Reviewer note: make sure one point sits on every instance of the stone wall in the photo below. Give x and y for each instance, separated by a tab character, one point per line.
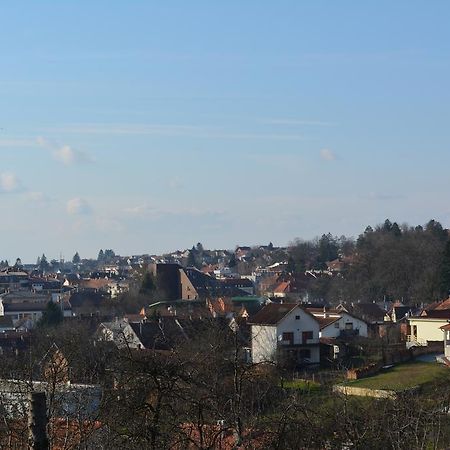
363	392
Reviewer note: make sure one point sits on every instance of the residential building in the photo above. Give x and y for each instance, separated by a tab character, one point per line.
336	324
281	332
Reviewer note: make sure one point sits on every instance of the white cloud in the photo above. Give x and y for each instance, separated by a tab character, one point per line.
327	155
68	156
175	183
64	154
9	182
78	207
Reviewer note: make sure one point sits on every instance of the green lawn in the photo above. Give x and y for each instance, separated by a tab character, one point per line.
404	376
302	385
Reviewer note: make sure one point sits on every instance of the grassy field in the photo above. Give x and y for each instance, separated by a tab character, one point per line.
404	376
302	385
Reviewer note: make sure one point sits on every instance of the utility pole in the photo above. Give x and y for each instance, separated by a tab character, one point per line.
37	422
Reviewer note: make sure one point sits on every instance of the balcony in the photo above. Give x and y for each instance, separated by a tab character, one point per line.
348	333
289	343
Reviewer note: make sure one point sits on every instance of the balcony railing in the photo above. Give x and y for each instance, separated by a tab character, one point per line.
300	343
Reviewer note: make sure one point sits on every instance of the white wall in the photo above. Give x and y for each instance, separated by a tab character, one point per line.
334	329
266	339
428	329
298	326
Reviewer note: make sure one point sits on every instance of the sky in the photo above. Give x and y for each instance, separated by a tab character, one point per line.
149	126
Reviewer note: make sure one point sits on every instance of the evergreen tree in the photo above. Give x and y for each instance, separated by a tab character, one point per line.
101	256
387	226
44	265
51	316
76	258
191	261
395	230
109	255
148	285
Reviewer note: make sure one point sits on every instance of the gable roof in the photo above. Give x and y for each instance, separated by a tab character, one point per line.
272	313
370	312
325	321
436	314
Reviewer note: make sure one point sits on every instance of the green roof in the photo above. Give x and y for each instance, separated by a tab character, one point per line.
247	298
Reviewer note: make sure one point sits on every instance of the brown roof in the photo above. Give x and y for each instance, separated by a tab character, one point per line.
445	304
437	314
282	287
325	321
272	313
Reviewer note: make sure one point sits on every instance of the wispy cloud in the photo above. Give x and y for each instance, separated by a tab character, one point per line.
147	211
9	143
173	131
78	207
383	196
138	209
9	183
298	122
65	154
327	155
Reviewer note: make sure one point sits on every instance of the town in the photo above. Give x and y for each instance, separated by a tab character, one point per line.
225	225
200	348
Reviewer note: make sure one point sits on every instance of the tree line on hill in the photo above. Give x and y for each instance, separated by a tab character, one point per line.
387	262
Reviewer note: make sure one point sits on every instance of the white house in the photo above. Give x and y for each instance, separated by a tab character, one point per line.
334	324
426	328
285	330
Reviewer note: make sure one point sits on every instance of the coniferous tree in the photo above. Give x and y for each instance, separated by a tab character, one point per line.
51	316
44	264
191	261
76	258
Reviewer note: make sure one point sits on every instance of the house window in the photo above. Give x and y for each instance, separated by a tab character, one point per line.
297	317
306	336
349	326
305	353
288	337
336	325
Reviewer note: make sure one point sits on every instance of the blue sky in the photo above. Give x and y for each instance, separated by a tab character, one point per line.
150	126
